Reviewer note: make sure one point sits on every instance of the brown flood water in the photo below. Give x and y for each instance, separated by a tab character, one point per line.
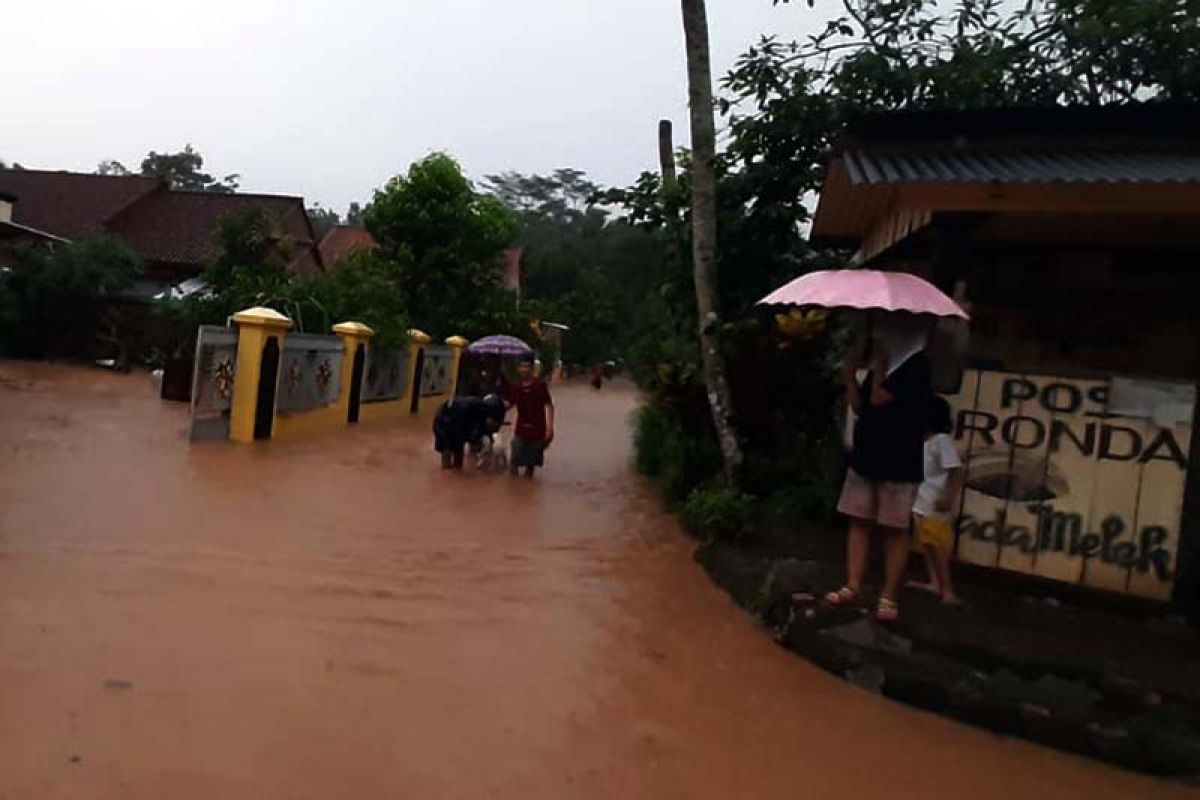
336	618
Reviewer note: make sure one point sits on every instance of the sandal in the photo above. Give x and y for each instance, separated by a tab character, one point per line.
887	610
845	596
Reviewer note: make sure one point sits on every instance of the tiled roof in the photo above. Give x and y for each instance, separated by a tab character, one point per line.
70	203
341	240
1025	166
181	227
168	228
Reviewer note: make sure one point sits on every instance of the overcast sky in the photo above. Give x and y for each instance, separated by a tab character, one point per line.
328	98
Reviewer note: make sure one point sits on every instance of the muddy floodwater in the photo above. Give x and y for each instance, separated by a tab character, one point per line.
336	618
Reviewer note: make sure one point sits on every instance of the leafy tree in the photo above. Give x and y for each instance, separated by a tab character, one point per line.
182	170
445	242
112	167
355	214
363	288
785	102
579	265
564	195
322	219
9	165
60	293
251	270
247	243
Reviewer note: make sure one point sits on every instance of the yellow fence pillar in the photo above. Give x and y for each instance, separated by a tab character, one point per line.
353	335
416	345
457	345
256	327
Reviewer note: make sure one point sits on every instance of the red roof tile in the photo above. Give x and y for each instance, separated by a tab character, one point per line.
172	230
182	227
342	240
71	203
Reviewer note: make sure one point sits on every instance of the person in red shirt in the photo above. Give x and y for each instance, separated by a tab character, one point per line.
535	419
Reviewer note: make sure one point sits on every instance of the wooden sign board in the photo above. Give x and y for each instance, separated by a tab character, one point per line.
1062	486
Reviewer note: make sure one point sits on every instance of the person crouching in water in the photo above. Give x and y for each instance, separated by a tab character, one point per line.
535	419
463	422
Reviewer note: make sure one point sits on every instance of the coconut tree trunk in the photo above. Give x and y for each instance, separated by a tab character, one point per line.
704	229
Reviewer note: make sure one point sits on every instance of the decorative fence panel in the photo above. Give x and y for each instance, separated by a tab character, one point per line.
435	376
212	382
387	374
310	372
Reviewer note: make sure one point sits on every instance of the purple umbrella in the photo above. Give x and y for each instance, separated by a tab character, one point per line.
500	346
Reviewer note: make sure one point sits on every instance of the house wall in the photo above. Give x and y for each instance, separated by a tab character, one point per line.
1084	312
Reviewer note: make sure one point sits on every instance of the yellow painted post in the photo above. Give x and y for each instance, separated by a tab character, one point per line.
353	334
255	327
416	343
457	345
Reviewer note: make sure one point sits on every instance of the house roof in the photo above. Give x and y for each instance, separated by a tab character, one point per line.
70	203
889	173
1028	166
13	230
341	240
166	227
1142	121
181	227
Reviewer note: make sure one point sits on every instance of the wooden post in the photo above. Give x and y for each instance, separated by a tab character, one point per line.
666	155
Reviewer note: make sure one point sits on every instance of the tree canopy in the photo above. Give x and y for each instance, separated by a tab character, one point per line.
785	102
181	170
579	265
52	298
322	219
446	243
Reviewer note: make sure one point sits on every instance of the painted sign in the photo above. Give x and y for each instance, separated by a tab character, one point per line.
1062	486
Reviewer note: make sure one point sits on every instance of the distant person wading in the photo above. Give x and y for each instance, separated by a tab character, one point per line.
535	419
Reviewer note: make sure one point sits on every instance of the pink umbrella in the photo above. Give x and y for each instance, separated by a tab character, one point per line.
865	289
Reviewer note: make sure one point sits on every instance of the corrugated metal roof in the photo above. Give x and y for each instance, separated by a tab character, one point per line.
1023	167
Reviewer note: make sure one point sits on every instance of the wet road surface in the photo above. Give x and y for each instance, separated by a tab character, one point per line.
337	618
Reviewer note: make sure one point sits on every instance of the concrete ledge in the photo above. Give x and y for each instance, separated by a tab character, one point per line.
936	659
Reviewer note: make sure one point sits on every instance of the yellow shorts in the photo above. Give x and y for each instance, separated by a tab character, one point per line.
934	532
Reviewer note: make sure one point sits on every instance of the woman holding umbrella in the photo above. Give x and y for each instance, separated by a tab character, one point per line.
886	458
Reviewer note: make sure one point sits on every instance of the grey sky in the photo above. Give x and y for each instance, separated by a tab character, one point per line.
328	98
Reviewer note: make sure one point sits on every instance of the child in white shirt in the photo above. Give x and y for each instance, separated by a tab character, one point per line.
932	510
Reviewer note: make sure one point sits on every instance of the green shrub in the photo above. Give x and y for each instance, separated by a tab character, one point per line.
717	512
676	458
61	295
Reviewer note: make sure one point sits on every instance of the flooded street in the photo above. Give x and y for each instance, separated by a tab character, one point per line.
337	618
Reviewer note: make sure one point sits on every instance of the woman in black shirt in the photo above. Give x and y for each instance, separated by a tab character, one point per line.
886	466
